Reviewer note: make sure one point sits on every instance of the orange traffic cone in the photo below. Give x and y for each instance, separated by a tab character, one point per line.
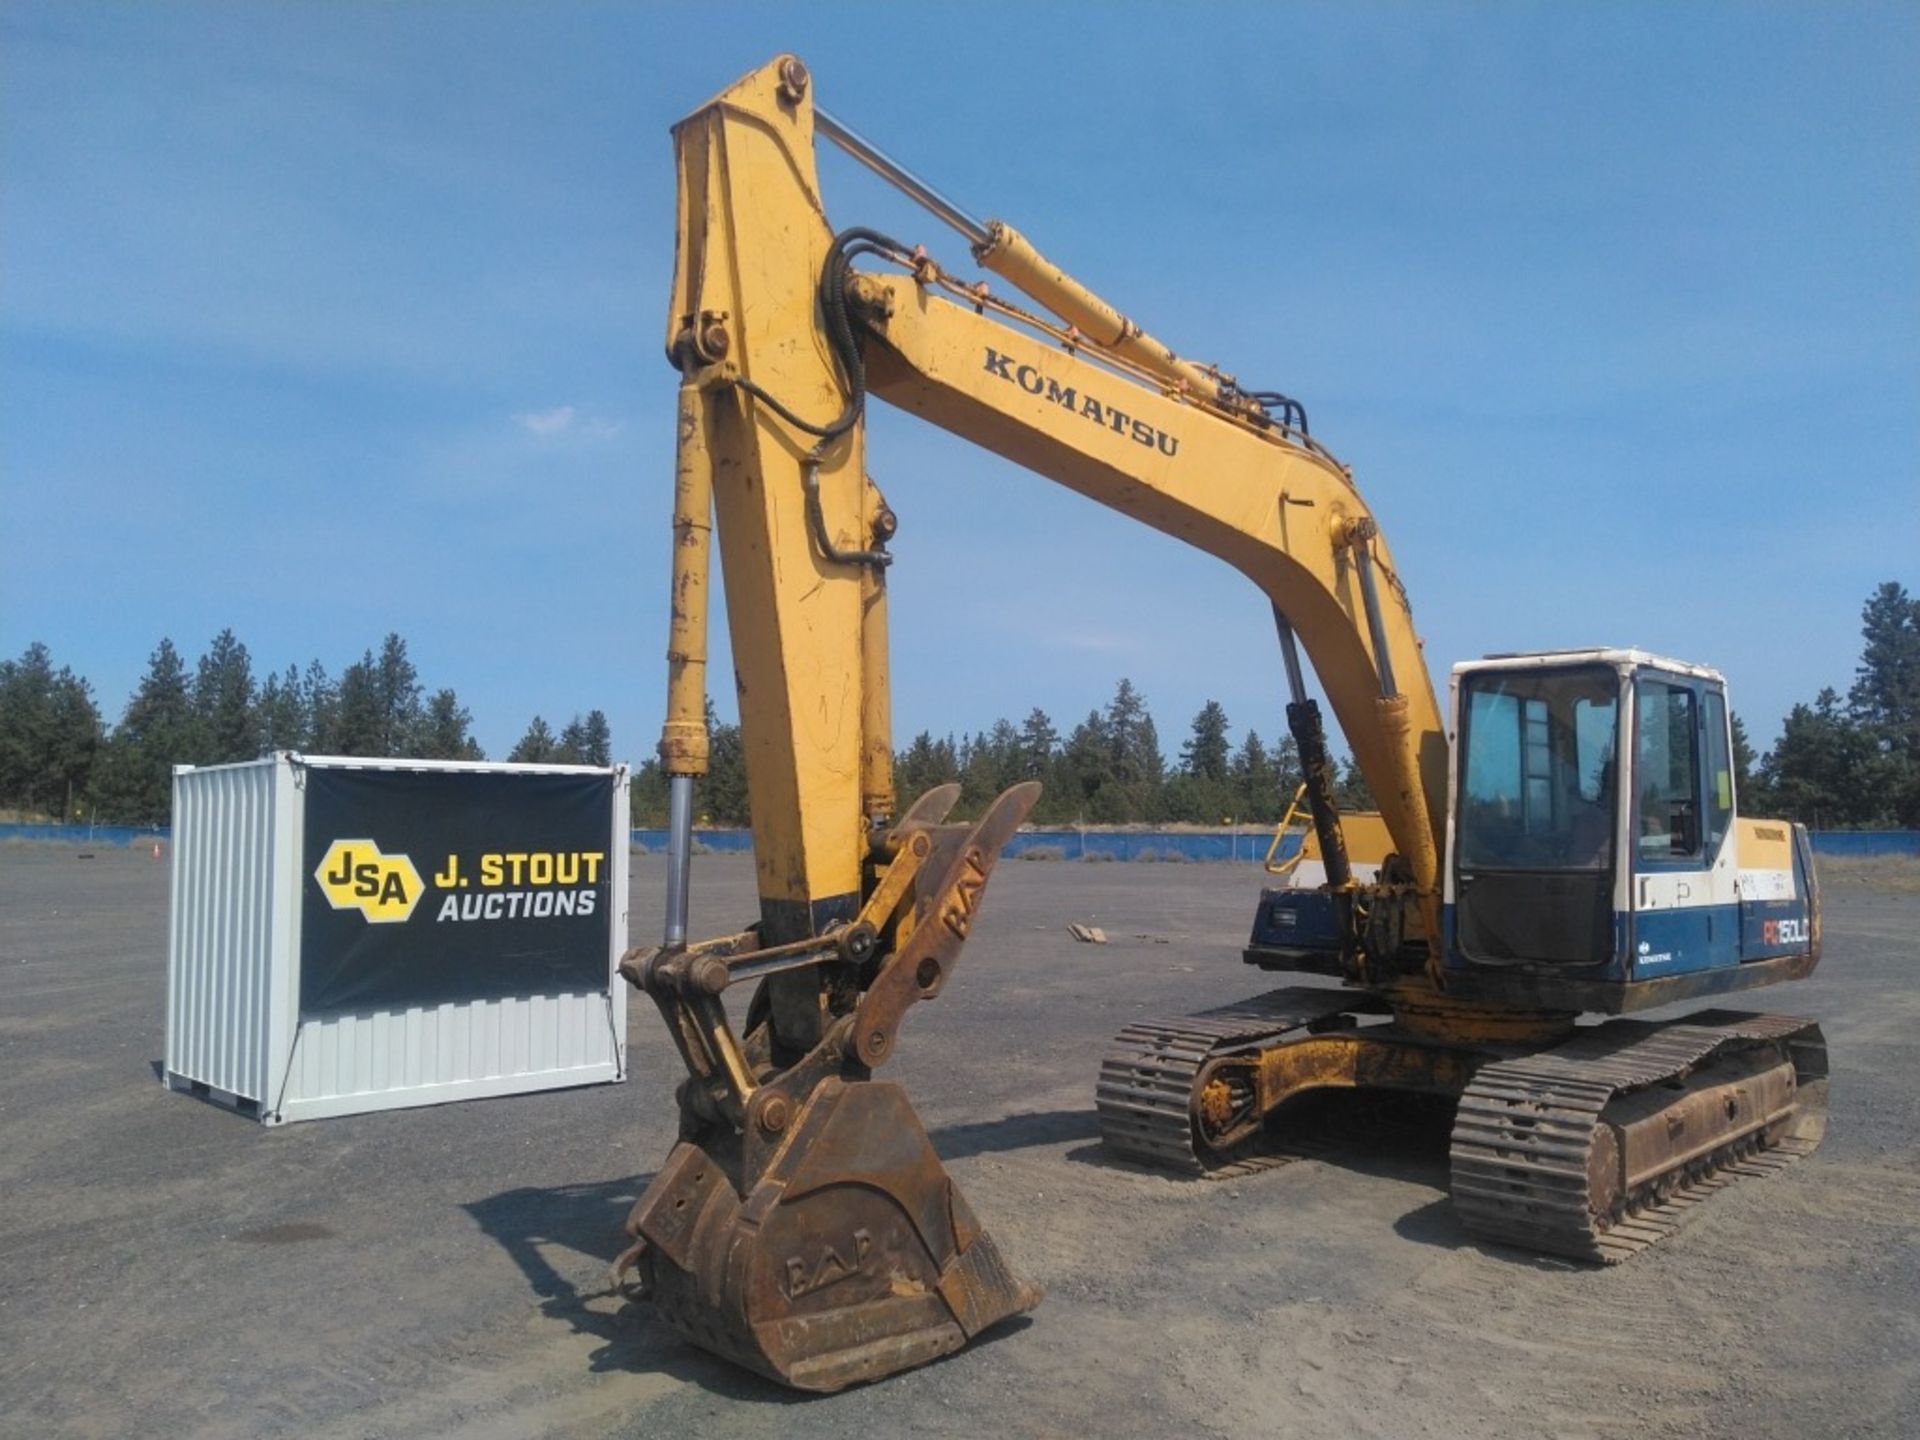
156	849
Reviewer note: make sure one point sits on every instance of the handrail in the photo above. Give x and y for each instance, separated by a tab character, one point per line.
1286	867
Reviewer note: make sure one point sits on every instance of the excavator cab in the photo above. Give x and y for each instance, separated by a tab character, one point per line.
1596	858
1597	861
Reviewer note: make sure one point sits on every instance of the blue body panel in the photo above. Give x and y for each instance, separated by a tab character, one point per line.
1771	928
1674	942
1677	942
1297	920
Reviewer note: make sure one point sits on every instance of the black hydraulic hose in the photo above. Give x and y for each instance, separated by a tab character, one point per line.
841	339
1292	413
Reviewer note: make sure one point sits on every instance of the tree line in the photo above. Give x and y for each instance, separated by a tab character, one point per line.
59	758
1852	763
1839	763
1108	770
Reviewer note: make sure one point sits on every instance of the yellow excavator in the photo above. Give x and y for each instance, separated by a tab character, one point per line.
1562	841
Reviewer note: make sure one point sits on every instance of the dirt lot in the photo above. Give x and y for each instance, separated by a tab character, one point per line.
169	1268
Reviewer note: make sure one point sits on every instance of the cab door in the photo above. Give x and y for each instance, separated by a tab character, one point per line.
1684	890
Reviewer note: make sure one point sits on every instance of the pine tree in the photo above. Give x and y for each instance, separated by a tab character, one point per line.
1207	754
359	720
282	713
1886	686
586	741
1086	764
76	739
1352	791
648	793
597	739
1132	741
158	731
1749	794
396	695
49	733
536	747
1287	774
1255	783
992	761
1134	764
1821	771
925	763
722	794
26	728
1885	702
442	733
1039	742
320	709
224	701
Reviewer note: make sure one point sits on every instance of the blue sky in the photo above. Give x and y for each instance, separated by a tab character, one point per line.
324	321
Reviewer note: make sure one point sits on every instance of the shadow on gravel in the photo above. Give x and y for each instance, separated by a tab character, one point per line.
1015	1132
1401	1137
586	1219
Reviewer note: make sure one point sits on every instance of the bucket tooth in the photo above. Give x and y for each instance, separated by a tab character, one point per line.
849	1257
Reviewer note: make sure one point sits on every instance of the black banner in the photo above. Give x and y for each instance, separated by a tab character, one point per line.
424	886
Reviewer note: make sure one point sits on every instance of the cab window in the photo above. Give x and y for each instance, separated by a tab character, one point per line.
1720	796
1536	779
1667	772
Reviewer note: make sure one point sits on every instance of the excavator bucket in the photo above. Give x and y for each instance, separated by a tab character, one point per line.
803	1226
852	1257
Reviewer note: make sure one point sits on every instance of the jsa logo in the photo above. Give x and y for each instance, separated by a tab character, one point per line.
355	875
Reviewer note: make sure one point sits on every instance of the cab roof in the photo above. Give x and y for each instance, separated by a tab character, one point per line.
1628	658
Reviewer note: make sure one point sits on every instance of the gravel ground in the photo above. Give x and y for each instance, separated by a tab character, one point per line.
170	1268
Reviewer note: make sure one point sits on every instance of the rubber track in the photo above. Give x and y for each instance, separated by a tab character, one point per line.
1521	1138
1146	1087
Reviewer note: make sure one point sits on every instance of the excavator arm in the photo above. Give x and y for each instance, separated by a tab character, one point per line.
804	1226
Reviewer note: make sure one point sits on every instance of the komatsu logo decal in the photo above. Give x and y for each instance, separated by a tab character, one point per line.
1784	932
356	875
1087	407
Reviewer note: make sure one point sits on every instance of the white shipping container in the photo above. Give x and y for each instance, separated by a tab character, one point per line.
235	1031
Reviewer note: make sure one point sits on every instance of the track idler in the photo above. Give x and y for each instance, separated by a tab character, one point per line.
804	1227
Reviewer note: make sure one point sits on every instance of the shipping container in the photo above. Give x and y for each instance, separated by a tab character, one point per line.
350	935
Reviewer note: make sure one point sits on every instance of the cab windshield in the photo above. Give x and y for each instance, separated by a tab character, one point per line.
1537	769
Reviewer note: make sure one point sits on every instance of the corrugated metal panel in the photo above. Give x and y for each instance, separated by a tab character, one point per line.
221	933
568	1039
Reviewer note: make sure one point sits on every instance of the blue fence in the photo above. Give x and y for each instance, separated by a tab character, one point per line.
1866	842
722	842
87	834
1172	845
1245	845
